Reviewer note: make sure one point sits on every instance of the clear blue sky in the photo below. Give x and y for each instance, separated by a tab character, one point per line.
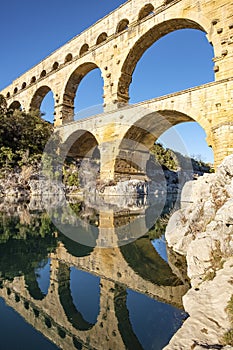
32	30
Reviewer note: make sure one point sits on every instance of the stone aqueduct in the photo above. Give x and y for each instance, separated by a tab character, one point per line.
115	44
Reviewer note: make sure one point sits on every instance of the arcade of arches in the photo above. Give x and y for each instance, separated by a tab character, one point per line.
114	45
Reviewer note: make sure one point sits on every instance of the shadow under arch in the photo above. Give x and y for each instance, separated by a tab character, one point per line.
143	43
71	88
73	315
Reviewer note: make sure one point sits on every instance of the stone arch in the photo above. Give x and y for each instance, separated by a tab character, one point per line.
81	144
8	95
55	65
122	25
15	105
101	38
24	85
145	11
83	50
15	90
33	80
38	97
43	73
142	134
68	57
142	44
71	88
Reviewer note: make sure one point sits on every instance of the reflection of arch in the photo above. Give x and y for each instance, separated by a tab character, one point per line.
38	97
145	261
124	325
33	287
101	38
72	86
75	248
145	11
122	25
83	49
15	105
143	43
73	315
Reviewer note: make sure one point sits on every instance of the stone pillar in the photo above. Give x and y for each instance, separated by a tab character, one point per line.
63	113
222	141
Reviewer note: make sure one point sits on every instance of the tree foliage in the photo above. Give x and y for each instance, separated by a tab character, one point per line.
23	136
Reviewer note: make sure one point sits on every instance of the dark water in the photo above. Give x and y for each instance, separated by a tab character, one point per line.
58	294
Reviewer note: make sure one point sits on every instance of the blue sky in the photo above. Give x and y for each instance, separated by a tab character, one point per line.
32	30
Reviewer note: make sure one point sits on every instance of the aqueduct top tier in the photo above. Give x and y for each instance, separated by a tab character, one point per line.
115	44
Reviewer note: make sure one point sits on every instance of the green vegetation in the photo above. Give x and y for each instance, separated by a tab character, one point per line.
23	137
171	160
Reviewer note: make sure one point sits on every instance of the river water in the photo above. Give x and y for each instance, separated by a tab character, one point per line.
56	293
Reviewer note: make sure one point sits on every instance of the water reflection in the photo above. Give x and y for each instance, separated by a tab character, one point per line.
126	297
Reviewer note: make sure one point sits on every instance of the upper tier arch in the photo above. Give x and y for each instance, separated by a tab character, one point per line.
143	43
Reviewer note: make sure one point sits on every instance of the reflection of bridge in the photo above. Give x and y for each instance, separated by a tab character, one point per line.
115	44
55	315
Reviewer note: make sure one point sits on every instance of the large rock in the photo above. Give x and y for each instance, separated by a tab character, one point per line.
202	231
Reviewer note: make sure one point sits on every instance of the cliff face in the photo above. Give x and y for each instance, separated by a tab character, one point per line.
202	231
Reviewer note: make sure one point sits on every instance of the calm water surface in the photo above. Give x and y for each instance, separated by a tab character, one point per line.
58	294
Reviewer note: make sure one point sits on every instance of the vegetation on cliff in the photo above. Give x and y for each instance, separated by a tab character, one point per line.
171	160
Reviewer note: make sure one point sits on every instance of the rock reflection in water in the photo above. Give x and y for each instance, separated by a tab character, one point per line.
89	297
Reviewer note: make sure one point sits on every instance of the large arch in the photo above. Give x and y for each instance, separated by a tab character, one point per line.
71	87
142	44
82	147
133	156
134	149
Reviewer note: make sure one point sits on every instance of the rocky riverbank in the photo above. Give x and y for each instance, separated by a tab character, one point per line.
202	232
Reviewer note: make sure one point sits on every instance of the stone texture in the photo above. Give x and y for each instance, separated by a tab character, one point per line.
202	232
